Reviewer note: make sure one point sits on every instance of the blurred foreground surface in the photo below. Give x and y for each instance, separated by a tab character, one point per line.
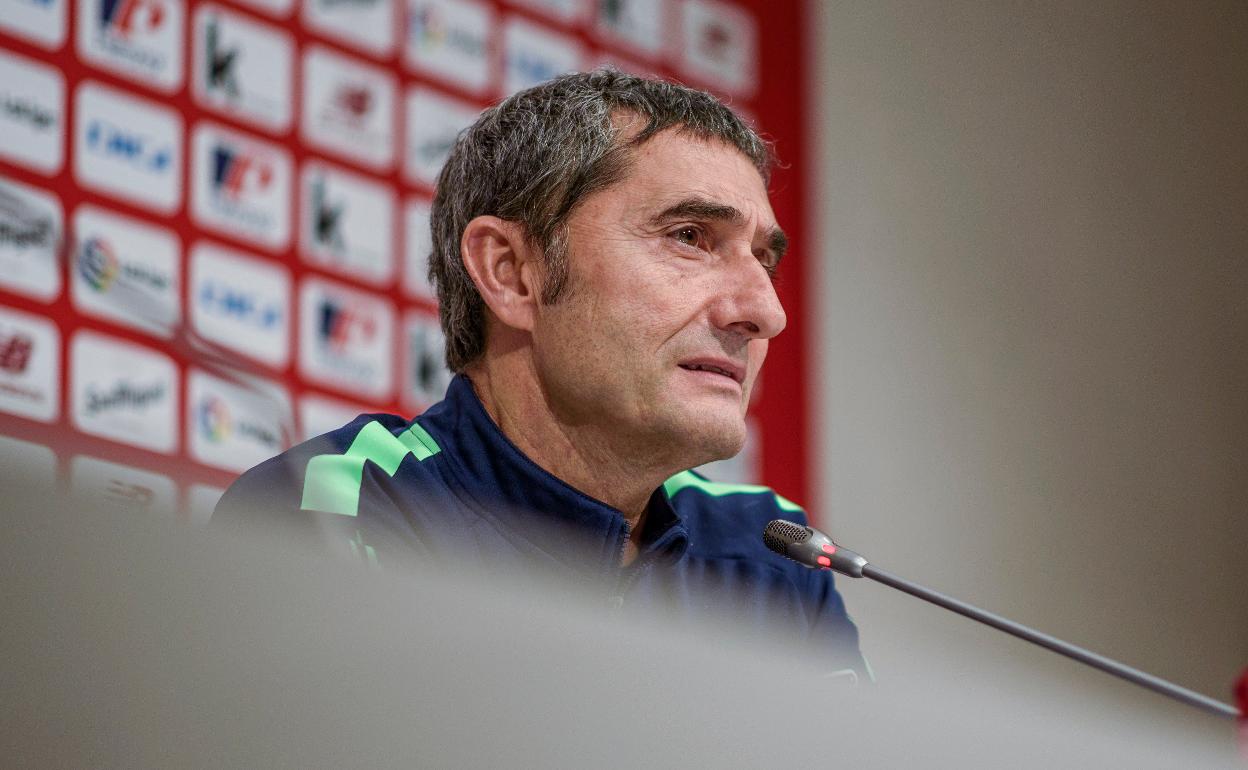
136	642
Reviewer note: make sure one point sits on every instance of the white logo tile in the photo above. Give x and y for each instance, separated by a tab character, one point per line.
126	271
137	39
128	147
346	338
123	392
417	245
347	223
639	25
425	376
321	414
450	40
32	228
533	54
366	24
243	68
233	426
101	484
240	303
42	22
719	45
30	366
434	120
241	186
32	114
348	108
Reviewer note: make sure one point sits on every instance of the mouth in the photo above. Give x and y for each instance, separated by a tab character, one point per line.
720	367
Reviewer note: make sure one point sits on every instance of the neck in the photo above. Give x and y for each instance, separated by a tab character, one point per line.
603	467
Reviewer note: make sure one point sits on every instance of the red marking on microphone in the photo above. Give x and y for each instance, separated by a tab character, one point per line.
825	561
829	548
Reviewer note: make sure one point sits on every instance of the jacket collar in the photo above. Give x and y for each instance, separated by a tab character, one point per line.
559	521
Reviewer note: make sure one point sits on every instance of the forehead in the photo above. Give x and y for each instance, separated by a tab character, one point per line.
673	166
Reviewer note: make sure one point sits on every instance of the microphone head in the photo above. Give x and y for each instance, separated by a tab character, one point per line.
811	548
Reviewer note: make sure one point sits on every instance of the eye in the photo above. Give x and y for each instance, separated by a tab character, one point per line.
690	235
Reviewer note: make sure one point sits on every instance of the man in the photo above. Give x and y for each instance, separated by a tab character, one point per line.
603	253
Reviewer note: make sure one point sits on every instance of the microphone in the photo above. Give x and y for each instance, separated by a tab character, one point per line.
811	548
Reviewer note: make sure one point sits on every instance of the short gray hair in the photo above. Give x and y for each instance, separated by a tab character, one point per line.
535	156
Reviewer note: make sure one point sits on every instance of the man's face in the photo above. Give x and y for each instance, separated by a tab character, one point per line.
670	303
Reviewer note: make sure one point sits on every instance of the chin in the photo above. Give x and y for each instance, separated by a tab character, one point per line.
714	439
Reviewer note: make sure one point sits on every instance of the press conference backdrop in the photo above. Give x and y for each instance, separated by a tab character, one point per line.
214	215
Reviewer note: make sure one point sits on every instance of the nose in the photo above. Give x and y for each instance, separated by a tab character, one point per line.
748	304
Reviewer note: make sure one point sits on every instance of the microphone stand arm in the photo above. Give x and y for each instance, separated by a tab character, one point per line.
1108	665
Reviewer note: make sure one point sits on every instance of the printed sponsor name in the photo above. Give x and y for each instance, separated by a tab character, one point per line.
533	55
128	147
348	223
124	392
32	114
243	68
141	39
434	120
121	486
235	425
719	45
30	366
30	240
241	186
346	338
126	271
240	303
450	40
348	108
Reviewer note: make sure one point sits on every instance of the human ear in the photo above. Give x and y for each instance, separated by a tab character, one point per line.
502	264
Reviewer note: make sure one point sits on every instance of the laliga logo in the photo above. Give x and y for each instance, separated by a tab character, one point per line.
342	326
125	17
235	174
214	419
98	264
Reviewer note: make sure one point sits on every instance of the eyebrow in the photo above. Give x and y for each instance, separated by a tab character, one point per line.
702	209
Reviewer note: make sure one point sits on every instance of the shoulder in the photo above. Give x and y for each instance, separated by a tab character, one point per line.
728	519
318	474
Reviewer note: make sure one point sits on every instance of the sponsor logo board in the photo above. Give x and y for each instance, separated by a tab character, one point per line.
113	486
126	271
123	392
235	425
346	338
31	235
433	122
243	68
449	39
42	22
30	366
425	376
321	414
348	107
240	303
25	465
348	223
240	186
567	11
638	24
201	501
417	245
139	39
533	54
271	7
365	24
128	147
719	45
32	114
